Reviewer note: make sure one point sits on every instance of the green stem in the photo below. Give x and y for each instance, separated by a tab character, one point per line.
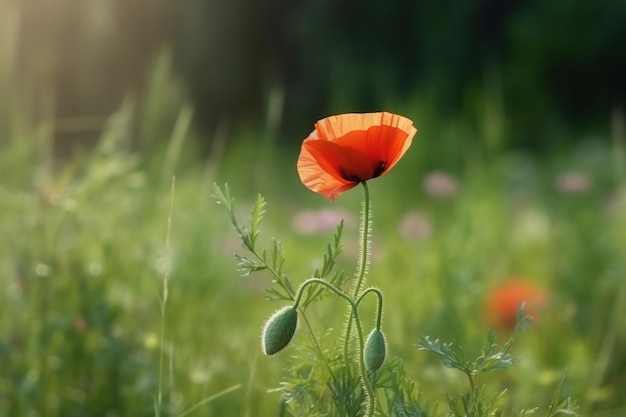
364	249
364	254
369	389
371	395
379	310
354	299
326	284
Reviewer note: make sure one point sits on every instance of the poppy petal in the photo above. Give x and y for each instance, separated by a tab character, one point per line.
334	127
344	163
317	179
383	137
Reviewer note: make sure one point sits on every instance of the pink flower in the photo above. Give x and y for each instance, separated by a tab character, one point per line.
80	323
440	184
315	222
415	226
572	183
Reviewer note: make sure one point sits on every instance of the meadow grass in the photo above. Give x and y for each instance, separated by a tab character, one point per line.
90	243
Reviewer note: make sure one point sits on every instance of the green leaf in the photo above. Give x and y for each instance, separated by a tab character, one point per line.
489	361
258	211
567	407
451	358
247	266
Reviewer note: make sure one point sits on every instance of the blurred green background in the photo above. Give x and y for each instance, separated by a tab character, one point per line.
548	63
517	171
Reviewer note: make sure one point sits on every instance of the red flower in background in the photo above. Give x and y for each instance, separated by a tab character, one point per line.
505	298
348	149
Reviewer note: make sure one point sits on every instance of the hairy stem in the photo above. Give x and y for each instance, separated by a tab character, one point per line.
369	389
364	255
324	283
379	310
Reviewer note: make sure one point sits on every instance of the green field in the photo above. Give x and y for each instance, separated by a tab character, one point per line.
121	295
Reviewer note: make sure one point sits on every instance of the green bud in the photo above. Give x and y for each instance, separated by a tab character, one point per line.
279	329
375	350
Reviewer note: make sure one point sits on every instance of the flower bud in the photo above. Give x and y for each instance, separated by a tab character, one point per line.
375	350
279	329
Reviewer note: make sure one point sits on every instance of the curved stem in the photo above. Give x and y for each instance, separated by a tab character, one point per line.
296	303
379	310
371	397
379	316
326	284
354	299
369	389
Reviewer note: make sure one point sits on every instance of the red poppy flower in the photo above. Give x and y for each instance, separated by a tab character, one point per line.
348	149
504	300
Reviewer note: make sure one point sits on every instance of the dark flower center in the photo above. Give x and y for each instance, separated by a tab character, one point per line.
378	169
